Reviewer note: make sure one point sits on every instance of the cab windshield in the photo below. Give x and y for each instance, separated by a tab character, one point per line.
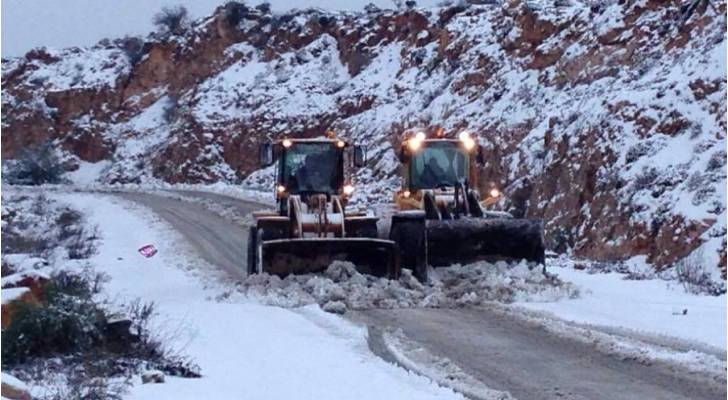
438	164
312	167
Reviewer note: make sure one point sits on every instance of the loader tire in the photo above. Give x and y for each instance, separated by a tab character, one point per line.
409	232
252	250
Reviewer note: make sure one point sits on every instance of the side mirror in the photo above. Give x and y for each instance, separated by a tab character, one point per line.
359	157
480	157
266	154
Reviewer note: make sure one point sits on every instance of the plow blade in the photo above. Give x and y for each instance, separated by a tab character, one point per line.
310	255
471	239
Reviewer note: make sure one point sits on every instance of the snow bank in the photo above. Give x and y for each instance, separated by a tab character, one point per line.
649	306
442	370
14	382
455	286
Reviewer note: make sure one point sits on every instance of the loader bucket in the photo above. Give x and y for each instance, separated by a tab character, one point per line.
309	255
471	239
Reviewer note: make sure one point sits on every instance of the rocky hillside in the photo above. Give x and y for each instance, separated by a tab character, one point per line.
605	118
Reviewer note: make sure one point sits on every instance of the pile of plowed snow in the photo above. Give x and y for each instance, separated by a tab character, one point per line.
341	287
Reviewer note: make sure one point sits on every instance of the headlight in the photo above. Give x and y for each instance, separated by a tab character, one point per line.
494	192
406	194
340	144
280	189
414	144
420	136
348	190
467	140
287	143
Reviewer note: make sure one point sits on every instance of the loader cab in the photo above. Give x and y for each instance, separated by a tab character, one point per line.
437	162
311	167
441	167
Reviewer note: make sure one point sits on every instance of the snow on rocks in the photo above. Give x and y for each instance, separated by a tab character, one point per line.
341	287
153	376
13	388
14	294
75	68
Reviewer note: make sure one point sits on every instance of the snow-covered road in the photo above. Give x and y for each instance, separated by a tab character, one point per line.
249	349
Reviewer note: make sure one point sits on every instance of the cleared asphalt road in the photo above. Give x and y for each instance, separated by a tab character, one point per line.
504	353
219	241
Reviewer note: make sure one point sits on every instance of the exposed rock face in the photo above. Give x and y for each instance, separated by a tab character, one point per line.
607	121
18	297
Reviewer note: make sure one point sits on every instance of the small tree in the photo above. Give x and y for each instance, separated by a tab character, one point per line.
263	7
235	11
172	20
171	109
372	8
134	49
36	166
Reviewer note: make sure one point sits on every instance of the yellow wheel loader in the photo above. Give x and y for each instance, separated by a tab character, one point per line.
311	227
441	219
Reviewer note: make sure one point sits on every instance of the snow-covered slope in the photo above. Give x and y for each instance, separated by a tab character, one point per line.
604	118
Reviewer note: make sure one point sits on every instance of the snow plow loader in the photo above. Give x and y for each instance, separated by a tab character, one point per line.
311	227
441	219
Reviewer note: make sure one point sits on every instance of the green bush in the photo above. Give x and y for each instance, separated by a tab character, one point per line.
66	325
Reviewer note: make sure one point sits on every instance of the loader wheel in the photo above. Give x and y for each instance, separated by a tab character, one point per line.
252	250
409	232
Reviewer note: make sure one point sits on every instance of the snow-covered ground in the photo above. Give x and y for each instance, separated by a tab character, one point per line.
650	306
245	350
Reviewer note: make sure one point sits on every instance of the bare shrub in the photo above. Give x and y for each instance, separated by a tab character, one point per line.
372	8
263	7
695	277
173	20
645	179
234	12
81	246
140	314
81	385
134	49
171	109
68	223
35	167
81	379
13	243
638	150
717	161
